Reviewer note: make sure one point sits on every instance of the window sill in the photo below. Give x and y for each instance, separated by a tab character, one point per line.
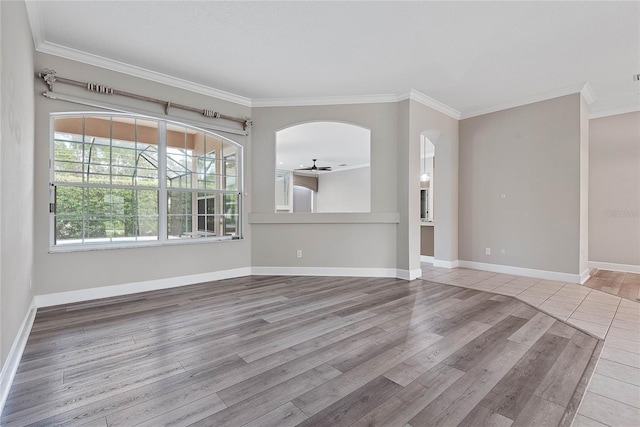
144	244
325	218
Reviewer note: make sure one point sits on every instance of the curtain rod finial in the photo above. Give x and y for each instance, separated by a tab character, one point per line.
49	77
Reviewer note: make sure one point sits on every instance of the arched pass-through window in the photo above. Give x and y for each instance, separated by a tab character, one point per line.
121	180
331	160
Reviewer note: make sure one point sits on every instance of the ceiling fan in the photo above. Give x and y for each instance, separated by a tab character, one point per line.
315	168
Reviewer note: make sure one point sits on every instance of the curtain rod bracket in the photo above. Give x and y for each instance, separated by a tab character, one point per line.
166	108
49	77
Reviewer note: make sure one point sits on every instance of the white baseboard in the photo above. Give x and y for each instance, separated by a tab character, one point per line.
132	288
324	271
446	264
624	268
426	258
10	366
409	274
585	276
521	271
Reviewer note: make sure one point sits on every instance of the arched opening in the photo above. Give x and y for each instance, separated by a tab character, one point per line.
323	167
438	228
427	207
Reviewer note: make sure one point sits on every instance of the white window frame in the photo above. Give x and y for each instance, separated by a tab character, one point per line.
163	190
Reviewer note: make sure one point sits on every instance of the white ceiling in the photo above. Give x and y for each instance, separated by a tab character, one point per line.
473	57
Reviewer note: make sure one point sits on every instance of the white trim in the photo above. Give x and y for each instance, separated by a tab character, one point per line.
426	258
600	114
132	70
323	100
446	264
35	22
588	93
431	103
529	100
325	218
324	271
409	274
585	276
132	288
10	366
521	271
624	268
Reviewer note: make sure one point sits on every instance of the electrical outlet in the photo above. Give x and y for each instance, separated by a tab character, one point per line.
487	251
503	251
299	253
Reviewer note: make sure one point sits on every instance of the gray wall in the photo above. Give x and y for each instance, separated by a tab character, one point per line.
532	155
325	245
16	170
58	272
614	191
395	181
344	191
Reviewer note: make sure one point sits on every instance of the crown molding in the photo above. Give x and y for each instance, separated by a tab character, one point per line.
132	70
588	93
582	88
607	113
323	100
35	22
358	99
425	100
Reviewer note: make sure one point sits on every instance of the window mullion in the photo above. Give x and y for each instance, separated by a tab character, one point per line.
162	176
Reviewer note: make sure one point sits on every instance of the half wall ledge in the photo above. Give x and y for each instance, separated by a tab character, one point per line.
325	218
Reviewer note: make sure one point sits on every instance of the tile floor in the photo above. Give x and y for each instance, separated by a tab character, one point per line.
613	395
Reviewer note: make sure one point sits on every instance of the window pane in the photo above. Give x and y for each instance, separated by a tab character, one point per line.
148	227
147	203
95	228
97	202
118	228
229	149
231	204
69	201
230	168
179	226
68	161
231	183
230	225
179	202
68	229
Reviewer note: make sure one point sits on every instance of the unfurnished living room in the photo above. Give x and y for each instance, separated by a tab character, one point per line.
322	213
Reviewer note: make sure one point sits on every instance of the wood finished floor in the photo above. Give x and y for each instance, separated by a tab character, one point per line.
624	285
280	351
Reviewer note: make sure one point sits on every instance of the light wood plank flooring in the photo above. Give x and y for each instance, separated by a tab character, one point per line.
280	351
624	285
613	395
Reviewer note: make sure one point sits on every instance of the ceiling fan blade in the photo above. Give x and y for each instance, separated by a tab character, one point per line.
324	168
304	169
